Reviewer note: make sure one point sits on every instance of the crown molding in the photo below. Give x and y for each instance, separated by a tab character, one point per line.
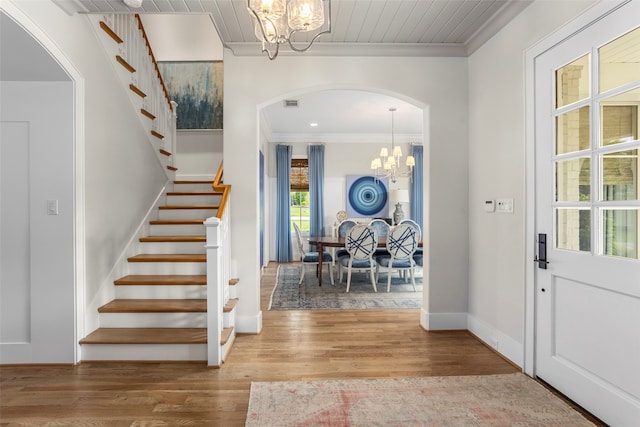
358	49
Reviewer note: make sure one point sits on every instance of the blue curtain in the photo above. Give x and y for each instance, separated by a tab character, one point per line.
315	155
416	190
284	246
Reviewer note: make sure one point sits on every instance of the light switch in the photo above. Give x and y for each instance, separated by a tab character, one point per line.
52	207
504	205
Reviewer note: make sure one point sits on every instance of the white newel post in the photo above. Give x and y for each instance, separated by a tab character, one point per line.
215	280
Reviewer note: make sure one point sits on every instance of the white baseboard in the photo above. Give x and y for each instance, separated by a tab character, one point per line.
249	324
442	321
503	344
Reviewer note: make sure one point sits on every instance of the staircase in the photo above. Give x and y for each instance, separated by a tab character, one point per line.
160	309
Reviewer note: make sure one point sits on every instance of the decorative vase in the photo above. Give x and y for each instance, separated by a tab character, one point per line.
398	214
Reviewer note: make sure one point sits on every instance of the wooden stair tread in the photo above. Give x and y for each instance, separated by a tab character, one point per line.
146	336
194	193
154	279
165	207
155	306
193	182
168	258
229	306
226	334
177	221
186	238
233	282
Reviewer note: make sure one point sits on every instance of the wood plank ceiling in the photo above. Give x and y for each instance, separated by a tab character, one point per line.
359	27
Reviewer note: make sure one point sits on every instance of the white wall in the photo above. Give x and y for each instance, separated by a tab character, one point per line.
198	154
497	170
122	174
37	256
439	85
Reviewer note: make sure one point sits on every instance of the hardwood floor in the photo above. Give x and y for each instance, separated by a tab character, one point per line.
294	345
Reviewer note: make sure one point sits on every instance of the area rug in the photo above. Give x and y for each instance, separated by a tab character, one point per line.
486	400
288	295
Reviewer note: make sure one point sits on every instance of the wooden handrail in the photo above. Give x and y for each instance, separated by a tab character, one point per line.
153	59
218	185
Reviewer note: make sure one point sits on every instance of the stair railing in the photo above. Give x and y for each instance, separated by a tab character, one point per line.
218	248
133	52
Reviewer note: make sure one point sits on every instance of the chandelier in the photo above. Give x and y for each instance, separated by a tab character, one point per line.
389	165
277	21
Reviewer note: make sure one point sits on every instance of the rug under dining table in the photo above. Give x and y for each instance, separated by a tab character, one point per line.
289	295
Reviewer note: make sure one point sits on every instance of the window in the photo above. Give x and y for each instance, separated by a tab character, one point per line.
299	193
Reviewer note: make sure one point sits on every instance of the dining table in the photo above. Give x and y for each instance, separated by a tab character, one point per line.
336	242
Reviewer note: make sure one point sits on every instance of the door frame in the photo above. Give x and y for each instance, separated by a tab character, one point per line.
78	161
589	17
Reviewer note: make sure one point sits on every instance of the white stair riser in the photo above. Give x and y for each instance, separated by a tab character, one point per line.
172	248
233	293
178	230
123	352
213	199
186	213
229	319
183	188
161	292
167	268
153	320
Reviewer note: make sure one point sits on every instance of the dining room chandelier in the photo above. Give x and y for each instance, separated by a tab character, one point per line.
389	163
277	21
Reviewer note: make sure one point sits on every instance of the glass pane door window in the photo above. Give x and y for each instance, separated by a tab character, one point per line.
300	210
596	158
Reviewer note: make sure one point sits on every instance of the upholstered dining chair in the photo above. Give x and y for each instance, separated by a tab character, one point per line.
401	245
360	242
343	229
382	228
311	258
417	256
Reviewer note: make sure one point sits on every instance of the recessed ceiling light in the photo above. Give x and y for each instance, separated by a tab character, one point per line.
313	125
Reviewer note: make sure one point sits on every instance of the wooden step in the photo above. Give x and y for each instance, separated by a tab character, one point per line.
156	239
194	193
162	280
233	282
168	258
155	306
226	334
193	182
146	336
178	221
229	306
210	207
152	336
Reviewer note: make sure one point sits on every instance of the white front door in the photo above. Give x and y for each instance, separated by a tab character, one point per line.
588	210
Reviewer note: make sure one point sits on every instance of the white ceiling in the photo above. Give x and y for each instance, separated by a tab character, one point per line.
359	27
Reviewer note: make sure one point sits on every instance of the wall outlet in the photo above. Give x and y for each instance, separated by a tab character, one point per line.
504	205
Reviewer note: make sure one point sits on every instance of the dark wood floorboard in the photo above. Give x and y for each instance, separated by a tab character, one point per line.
294	345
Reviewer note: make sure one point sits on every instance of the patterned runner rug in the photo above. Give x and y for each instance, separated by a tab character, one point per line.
288	295
487	400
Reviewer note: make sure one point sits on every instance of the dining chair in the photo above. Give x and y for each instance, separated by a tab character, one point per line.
401	245
360	242
343	229
311	258
382	228
417	256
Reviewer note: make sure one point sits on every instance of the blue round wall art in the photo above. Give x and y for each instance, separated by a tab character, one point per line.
367	197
